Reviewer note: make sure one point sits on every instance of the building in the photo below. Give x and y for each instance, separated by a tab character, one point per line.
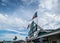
43	36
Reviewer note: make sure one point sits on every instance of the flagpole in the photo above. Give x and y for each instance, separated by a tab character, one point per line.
37	22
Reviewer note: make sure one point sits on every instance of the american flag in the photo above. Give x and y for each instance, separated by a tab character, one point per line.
35	15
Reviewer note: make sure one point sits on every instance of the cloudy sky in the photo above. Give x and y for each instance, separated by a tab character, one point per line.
14	16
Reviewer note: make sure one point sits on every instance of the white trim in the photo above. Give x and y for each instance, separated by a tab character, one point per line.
57	32
53	33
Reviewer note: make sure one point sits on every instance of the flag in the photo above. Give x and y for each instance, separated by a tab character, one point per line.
35	15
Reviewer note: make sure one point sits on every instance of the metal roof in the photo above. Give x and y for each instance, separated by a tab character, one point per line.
57	31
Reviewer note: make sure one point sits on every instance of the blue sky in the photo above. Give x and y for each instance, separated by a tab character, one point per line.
14	16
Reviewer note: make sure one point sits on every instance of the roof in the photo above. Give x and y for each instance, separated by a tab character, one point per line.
57	31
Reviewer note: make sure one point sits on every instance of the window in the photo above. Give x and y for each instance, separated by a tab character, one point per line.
54	41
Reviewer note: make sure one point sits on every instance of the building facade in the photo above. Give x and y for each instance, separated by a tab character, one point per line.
38	35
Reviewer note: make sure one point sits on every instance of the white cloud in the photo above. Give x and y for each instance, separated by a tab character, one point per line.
28	2
57	18
16	31
48	14
12	23
5	1
9	37
48	4
2	16
48	17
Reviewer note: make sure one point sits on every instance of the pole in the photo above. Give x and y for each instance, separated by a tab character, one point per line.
41	40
